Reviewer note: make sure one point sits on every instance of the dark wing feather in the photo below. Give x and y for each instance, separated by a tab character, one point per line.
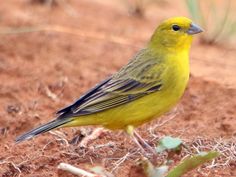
83	97
105	99
125	86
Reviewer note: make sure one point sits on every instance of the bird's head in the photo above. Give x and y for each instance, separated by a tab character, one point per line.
175	33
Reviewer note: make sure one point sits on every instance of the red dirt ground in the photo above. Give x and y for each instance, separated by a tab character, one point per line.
43	71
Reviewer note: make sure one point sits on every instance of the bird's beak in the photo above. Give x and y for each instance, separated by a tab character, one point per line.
194	29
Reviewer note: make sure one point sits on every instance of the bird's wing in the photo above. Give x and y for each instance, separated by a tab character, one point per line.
138	78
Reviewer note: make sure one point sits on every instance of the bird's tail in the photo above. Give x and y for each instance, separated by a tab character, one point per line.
43	128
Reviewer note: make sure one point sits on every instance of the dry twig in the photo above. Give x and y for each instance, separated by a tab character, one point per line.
76	171
95	134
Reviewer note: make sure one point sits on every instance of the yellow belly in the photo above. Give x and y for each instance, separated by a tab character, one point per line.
134	113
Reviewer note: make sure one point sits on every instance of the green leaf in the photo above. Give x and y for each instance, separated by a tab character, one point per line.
192	163
168	143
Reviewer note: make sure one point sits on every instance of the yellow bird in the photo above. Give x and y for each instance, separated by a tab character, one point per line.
147	87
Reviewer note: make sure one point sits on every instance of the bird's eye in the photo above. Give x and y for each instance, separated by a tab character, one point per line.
176	27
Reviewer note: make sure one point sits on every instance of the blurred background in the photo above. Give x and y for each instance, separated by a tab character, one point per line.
52	51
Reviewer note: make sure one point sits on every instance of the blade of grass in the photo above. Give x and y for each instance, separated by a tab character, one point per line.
192	163
220	26
194	9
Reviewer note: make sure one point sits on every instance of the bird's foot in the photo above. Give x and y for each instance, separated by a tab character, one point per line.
148	151
145	144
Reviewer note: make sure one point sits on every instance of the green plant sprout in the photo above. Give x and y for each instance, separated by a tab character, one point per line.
187	164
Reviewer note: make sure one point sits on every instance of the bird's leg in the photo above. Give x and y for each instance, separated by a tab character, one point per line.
144	143
139	141
139	145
